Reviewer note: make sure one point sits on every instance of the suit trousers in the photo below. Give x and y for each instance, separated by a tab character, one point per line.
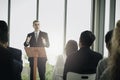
41	64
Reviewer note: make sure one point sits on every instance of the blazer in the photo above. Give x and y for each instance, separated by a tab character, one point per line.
39	42
6	64
18	63
83	61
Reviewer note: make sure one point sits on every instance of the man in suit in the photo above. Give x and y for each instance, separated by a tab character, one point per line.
37	38
85	60
6	59
18	63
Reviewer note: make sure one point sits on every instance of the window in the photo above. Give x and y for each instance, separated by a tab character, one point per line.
3	10
117	17
23	12
107	10
51	16
78	18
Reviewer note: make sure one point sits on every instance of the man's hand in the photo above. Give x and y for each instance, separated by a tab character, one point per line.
28	39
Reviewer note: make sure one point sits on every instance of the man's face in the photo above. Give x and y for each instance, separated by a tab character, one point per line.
36	26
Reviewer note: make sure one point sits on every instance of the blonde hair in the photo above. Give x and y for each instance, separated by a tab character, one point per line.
114	60
71	47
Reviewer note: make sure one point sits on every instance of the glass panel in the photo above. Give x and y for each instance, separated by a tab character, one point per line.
78	18
107	10
23	12
51	18
117	17
3	10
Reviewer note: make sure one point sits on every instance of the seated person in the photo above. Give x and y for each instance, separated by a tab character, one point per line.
102	65
6	58
10	58
70	48
85	60
17	55
112	72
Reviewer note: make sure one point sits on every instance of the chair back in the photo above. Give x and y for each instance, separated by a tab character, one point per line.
76	76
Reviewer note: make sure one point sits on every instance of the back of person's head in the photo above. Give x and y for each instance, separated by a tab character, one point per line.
86	38
108	37
3	32
114	61
71	47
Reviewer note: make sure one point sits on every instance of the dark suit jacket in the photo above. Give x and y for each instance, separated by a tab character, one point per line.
6	65
39	42
17	55
83	62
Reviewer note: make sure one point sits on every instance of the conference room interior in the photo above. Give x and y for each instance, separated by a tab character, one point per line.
62	20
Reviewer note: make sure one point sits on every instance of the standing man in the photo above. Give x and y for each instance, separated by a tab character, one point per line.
37	38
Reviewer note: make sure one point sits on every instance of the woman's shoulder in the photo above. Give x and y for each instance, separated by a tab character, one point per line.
105	75
61	56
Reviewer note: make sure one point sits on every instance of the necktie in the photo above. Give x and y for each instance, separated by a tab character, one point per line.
36	36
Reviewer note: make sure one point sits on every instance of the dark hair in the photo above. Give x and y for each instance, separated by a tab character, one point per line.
108	36
35	21
87	38
3	32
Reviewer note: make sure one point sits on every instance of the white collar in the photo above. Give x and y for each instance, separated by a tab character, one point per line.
37	32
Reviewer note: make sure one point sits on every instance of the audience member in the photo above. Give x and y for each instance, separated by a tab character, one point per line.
18	64
14	56
85	60
102	65
112	72
6	59
70	48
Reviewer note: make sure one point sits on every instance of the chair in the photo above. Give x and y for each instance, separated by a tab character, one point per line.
76	76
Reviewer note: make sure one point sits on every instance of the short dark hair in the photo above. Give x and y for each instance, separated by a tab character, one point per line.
35	21
108	36
87	38
3	32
